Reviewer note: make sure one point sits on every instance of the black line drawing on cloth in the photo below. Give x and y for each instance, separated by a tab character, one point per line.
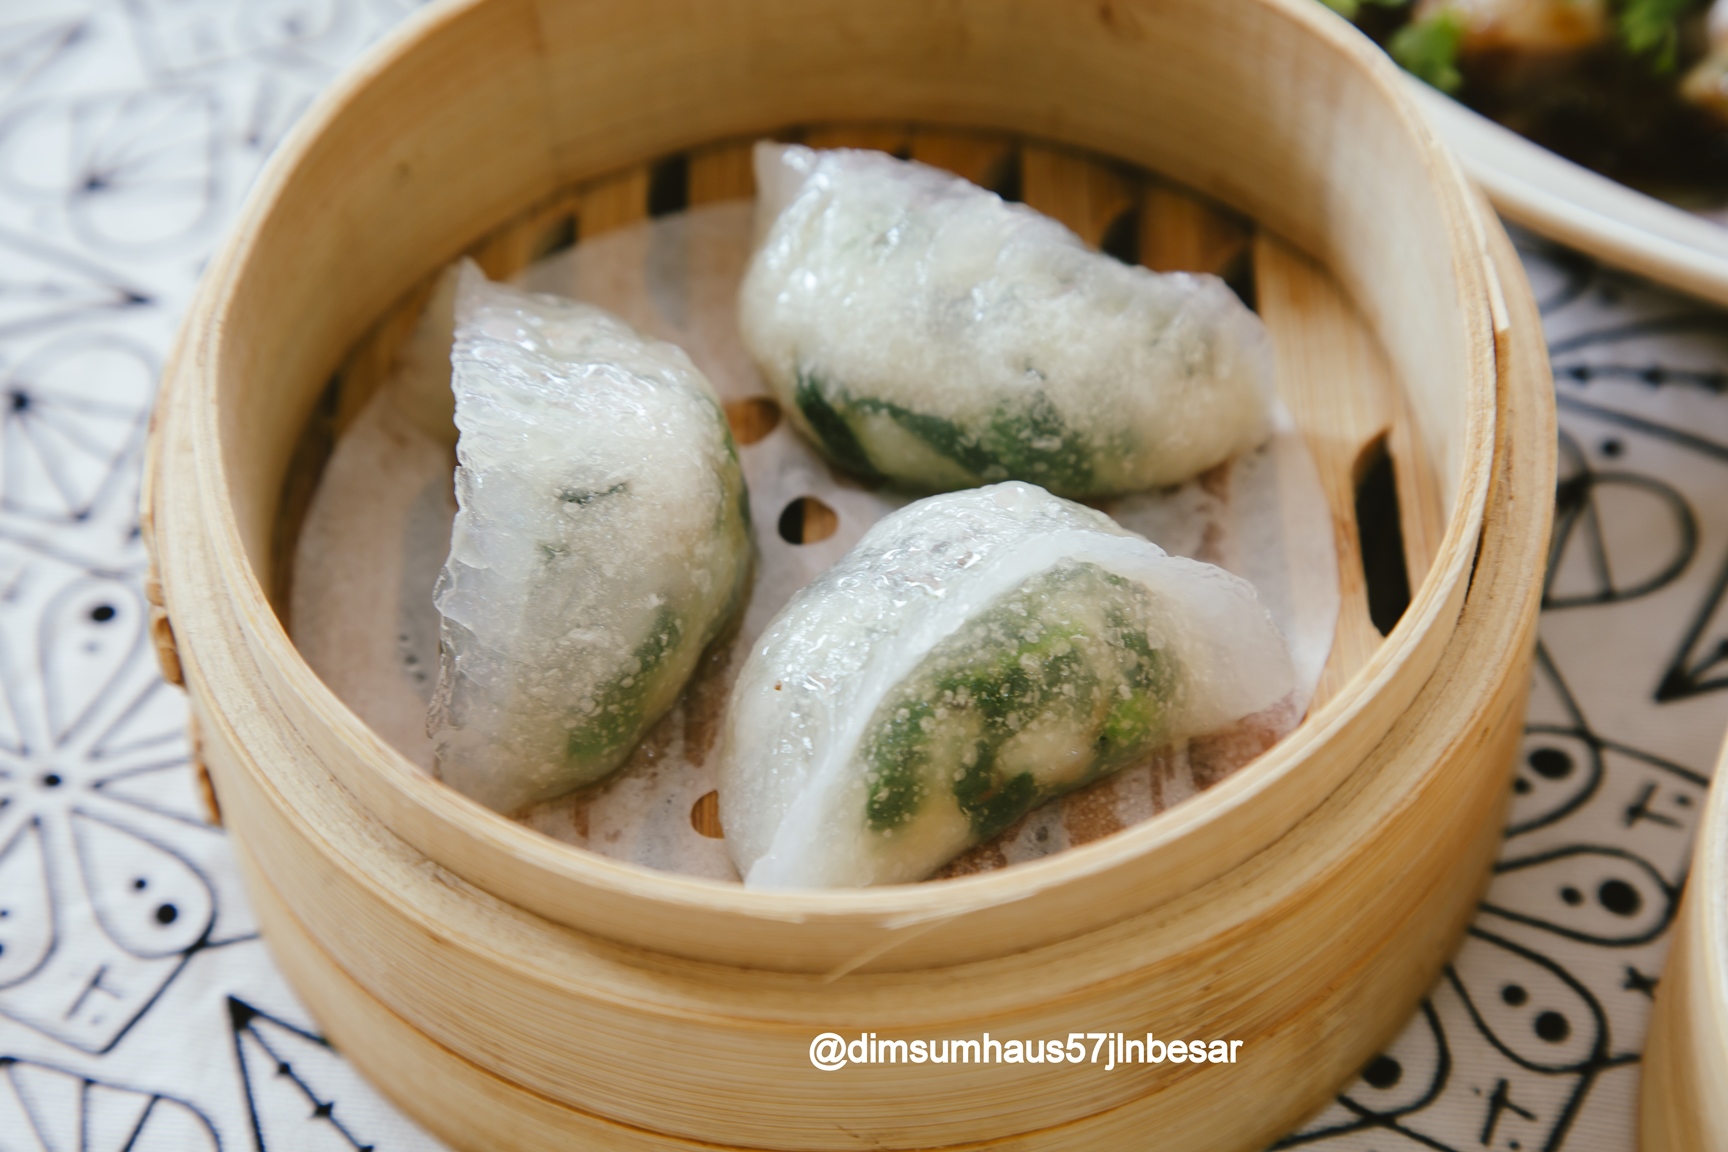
1561	764
31	48
1636	801
1700	666
1558	275
1636	981
64	1110
1503	1055
263	61
105	883
280	1066
1499	1104
1676	436
178	39
313	34
277	101
1407	1077
1579	526
1559	770
1693	320
42	286
1538	1016
1655	375
1562	768
72	420
1700	663
1597	895
136	171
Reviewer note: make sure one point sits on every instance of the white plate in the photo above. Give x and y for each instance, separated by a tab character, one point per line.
1563	201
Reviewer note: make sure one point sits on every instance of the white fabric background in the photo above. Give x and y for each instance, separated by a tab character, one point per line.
139	1010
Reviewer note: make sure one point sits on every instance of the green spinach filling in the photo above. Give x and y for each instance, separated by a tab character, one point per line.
614	721
1023	440
836	436
611	722
1054	686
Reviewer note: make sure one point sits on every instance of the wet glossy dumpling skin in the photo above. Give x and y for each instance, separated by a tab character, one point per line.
922	329
601	541
974	655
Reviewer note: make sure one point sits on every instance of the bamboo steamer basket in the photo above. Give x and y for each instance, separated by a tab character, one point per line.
1683	1107
509	990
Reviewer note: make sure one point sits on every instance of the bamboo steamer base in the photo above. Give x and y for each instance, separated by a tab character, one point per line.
1684	1104
496	1029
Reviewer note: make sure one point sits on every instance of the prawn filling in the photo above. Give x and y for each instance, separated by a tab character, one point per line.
1055	685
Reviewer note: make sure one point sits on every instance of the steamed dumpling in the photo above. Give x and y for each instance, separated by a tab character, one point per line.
602	540
973	656
920	328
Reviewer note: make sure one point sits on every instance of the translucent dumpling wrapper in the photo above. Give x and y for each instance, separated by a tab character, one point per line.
601	541
973	656
922	329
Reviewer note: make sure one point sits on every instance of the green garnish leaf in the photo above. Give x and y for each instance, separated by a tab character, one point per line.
1650	28
1428	49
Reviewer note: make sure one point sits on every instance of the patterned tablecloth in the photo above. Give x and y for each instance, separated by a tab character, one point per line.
140	1011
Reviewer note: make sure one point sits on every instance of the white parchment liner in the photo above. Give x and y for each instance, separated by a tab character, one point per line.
378	531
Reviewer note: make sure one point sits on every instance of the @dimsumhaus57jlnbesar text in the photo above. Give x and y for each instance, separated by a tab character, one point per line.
831	1051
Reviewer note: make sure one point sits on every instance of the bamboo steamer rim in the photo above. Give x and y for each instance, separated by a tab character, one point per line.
490	848
481	1019
1707	945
